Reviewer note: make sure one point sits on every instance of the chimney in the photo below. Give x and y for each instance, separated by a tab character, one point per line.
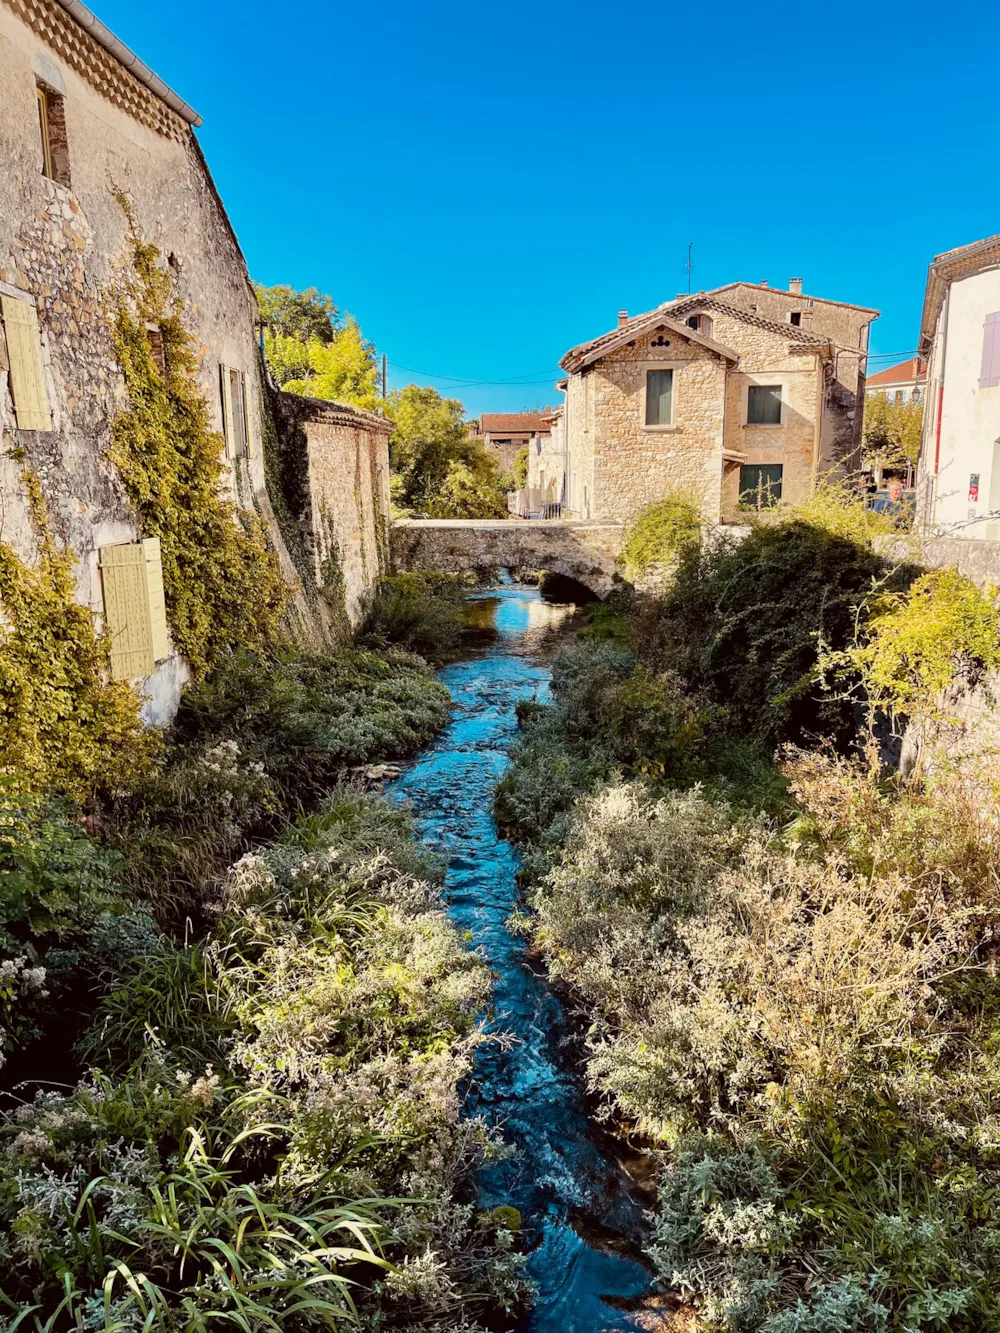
622	318
795	286
763	282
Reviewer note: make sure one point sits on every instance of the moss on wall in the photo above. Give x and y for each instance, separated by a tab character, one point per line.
221	578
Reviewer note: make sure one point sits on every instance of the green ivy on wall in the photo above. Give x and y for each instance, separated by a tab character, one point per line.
63	722
222	581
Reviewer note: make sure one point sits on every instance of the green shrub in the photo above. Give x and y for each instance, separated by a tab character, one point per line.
746	625
661	533
308	1055
308	719
421	613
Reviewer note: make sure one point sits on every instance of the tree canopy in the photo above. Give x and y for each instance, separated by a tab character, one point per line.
891	431
438	468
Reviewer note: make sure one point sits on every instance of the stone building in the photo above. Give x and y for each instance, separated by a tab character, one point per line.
85	128
742	396
507	433
958	474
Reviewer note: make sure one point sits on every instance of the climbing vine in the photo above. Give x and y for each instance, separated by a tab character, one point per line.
63	722
222	582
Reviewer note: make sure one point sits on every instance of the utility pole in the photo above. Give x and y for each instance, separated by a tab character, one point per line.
384	372
690	248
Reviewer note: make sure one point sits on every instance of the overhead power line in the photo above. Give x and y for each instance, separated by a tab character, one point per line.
471	383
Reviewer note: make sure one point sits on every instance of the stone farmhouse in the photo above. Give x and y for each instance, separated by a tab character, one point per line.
742	396
507	433
84	126
958	487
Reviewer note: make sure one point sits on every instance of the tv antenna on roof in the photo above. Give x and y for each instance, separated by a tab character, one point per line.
689	265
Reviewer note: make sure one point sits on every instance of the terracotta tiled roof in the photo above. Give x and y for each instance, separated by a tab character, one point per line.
795	296
705	301
513	423
673	313
905	373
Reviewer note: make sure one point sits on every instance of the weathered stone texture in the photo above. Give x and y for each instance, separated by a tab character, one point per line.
340	456
586	552
68	250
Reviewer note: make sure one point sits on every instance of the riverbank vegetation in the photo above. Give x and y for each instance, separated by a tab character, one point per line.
784	950
235	1020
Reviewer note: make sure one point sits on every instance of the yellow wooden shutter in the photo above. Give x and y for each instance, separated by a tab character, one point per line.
157	603
126	610
27	378
227	409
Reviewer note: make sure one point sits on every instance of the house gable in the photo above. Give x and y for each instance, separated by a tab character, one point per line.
588	353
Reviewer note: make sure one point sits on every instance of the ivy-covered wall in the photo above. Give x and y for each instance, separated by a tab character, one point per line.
140	238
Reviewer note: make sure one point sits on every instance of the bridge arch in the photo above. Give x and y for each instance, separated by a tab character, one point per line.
580	550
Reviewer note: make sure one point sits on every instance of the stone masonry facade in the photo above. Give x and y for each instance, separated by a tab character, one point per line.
617	463
65	253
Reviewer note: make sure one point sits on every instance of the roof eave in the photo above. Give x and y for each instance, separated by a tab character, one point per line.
127	58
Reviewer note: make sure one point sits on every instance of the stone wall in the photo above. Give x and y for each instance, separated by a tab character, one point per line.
586	552
66	250
339	458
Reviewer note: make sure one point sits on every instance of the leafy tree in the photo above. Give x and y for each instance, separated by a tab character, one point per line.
430	434
521	467
473	488
301	315
891	431
343	370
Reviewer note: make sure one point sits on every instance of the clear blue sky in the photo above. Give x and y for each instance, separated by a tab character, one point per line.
484	185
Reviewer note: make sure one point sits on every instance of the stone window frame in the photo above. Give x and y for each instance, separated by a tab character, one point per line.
52	131
673	364
762	380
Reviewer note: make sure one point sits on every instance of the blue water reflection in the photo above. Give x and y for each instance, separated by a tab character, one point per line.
566	1183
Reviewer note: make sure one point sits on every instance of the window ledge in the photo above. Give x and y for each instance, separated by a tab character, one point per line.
661	430
763	425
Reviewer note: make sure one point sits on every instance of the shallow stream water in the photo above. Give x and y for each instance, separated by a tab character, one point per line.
581	1210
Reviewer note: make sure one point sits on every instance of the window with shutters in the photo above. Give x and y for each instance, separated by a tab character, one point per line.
659	398
989	377
764	405
760	485
27	374
52	133
134	607
235	419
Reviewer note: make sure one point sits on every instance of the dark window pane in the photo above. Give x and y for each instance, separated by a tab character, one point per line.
764	405
760	485
659	397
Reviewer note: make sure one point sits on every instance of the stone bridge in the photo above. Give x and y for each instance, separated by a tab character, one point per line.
585	551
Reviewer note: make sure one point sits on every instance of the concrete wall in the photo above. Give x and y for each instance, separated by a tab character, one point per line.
66	248
970	416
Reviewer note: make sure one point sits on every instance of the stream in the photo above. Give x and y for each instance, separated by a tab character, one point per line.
581	1211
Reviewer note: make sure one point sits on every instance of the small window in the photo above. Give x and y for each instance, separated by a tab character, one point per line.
234	413
764	405
659	397
795	318
898	396
760	485
693	322
52	130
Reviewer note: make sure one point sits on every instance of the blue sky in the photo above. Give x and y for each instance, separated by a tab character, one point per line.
484	185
